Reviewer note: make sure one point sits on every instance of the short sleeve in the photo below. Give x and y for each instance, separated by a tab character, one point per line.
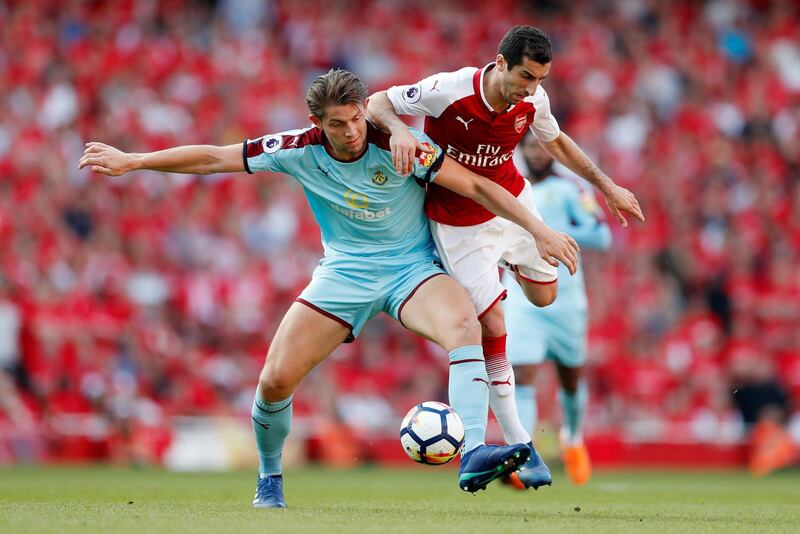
544	125
275	152
432	95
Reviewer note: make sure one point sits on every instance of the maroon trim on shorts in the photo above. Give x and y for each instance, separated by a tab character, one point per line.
500	297
400	309
350	337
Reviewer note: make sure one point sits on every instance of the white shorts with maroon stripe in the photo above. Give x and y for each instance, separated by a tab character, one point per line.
471	254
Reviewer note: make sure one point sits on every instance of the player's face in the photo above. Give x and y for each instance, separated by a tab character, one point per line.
539	162
523	80
345	127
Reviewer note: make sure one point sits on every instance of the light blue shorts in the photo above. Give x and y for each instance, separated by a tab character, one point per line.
534	336
354	290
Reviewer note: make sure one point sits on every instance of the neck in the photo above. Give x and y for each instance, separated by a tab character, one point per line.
491	90
343	154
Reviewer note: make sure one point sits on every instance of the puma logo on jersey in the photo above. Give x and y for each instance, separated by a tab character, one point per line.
480	380
465	123
435	83
294	142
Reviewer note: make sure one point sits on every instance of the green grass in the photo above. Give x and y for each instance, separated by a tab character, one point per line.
417	500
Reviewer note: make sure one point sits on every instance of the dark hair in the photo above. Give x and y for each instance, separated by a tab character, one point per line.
334	88
525	41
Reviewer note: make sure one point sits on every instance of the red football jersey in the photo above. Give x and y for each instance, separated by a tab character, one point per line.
461	121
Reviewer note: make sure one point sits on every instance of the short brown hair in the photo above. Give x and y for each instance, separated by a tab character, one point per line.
334	88
525	41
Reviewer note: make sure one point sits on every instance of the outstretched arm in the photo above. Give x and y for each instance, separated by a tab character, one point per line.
190	159
619	200
553	246
402	143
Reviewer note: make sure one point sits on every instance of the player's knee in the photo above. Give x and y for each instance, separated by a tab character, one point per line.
570	380
467	328
569	387
541	296
525	374
275	385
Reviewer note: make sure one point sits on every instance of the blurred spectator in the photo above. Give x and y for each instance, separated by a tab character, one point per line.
764	406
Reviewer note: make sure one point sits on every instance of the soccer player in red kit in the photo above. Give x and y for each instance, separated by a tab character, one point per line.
478	116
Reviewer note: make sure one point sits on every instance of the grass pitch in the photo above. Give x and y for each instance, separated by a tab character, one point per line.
416	500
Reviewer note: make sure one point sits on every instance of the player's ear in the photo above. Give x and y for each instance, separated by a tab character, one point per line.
500	61
315	120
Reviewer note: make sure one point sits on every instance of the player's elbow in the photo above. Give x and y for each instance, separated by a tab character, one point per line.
377	104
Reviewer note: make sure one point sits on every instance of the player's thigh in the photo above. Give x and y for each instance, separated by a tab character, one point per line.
470	255
441	311
304	338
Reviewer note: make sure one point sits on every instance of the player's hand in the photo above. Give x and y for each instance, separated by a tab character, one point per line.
621	200
557	247
404	147
106	159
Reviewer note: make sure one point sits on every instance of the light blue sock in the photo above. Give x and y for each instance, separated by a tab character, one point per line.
469	393
526	407
573	407
271	424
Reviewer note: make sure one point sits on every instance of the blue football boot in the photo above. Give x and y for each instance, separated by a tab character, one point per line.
486	463
269	493
534	473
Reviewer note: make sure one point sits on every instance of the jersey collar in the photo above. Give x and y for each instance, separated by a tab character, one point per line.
479	90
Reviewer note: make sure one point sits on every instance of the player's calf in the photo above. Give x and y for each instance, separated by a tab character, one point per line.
539	295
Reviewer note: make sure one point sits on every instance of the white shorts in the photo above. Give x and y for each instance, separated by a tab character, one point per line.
471	255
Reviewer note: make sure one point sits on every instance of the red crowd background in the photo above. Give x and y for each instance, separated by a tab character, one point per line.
126	302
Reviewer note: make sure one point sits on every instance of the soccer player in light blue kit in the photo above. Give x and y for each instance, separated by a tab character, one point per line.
379	256
557	332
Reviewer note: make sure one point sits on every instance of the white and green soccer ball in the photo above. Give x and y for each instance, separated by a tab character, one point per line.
432	433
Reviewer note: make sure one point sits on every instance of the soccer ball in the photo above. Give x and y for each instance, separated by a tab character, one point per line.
432	433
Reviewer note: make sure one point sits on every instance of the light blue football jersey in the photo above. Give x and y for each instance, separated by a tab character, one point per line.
567	208
363	207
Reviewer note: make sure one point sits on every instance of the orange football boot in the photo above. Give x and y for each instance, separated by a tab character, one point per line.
772	448
577	464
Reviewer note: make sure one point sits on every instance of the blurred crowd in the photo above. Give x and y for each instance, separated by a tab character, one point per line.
127	302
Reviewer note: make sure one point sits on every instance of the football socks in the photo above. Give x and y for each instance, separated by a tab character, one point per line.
573	408
271	424
526	406
469	393
501	390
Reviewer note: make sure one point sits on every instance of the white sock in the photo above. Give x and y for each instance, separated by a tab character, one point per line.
501	390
